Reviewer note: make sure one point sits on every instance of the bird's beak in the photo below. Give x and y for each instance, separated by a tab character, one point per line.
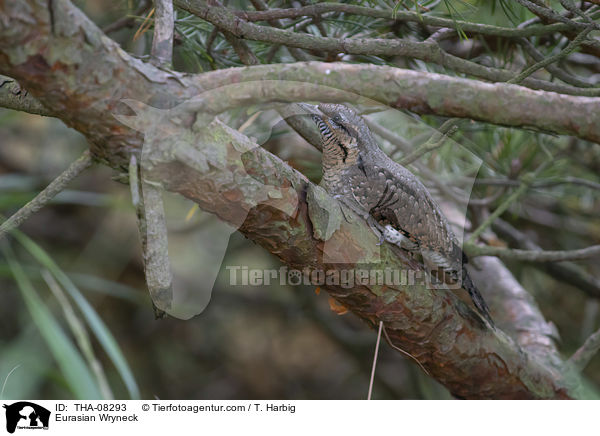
313	111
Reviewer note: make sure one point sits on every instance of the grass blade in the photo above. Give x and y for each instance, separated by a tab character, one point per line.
72	365
81	335
96	324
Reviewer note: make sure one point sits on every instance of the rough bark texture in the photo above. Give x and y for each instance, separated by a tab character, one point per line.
76	72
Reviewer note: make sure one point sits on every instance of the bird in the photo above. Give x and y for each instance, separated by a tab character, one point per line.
392	199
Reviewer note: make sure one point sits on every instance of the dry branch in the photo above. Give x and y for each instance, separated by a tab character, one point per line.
47	194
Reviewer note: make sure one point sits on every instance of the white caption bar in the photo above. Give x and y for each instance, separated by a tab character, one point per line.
297	417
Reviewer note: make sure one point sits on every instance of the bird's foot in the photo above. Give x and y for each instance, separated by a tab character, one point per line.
377	229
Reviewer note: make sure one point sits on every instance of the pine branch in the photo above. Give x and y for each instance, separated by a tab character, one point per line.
519	192
44	197
428	51
12	96
571	47
162	41
564	272
473	250
318	9
586	352
127	21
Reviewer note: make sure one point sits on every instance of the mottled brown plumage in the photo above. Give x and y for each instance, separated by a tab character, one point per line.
358	173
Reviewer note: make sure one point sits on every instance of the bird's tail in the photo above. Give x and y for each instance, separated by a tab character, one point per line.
476	297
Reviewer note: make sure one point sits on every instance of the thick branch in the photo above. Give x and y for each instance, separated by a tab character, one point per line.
430	321
72	69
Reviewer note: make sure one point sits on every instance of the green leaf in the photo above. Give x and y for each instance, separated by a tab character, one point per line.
96	324
76	373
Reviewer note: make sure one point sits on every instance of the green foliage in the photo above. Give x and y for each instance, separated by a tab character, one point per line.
73	368
95	323
75	371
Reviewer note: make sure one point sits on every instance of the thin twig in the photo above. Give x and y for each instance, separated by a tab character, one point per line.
584	354
565	272
210	39
426	51
553	69
473	250
81	335
549	14
241	48
572	46
127	21
437	140
40	200
541	183
375	360
402	351
505	205
570	180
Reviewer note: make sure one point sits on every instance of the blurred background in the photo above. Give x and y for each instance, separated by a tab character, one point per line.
75	316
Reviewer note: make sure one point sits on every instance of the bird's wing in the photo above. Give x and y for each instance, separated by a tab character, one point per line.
399	199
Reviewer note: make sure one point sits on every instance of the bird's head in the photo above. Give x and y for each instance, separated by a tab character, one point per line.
338	120
338	126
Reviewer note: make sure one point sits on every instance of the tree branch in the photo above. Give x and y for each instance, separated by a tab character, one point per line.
316	10
572	46
12	96
162	42
551	15
93	59
428	51
553	69
40	200
474	250
587	351
565	272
